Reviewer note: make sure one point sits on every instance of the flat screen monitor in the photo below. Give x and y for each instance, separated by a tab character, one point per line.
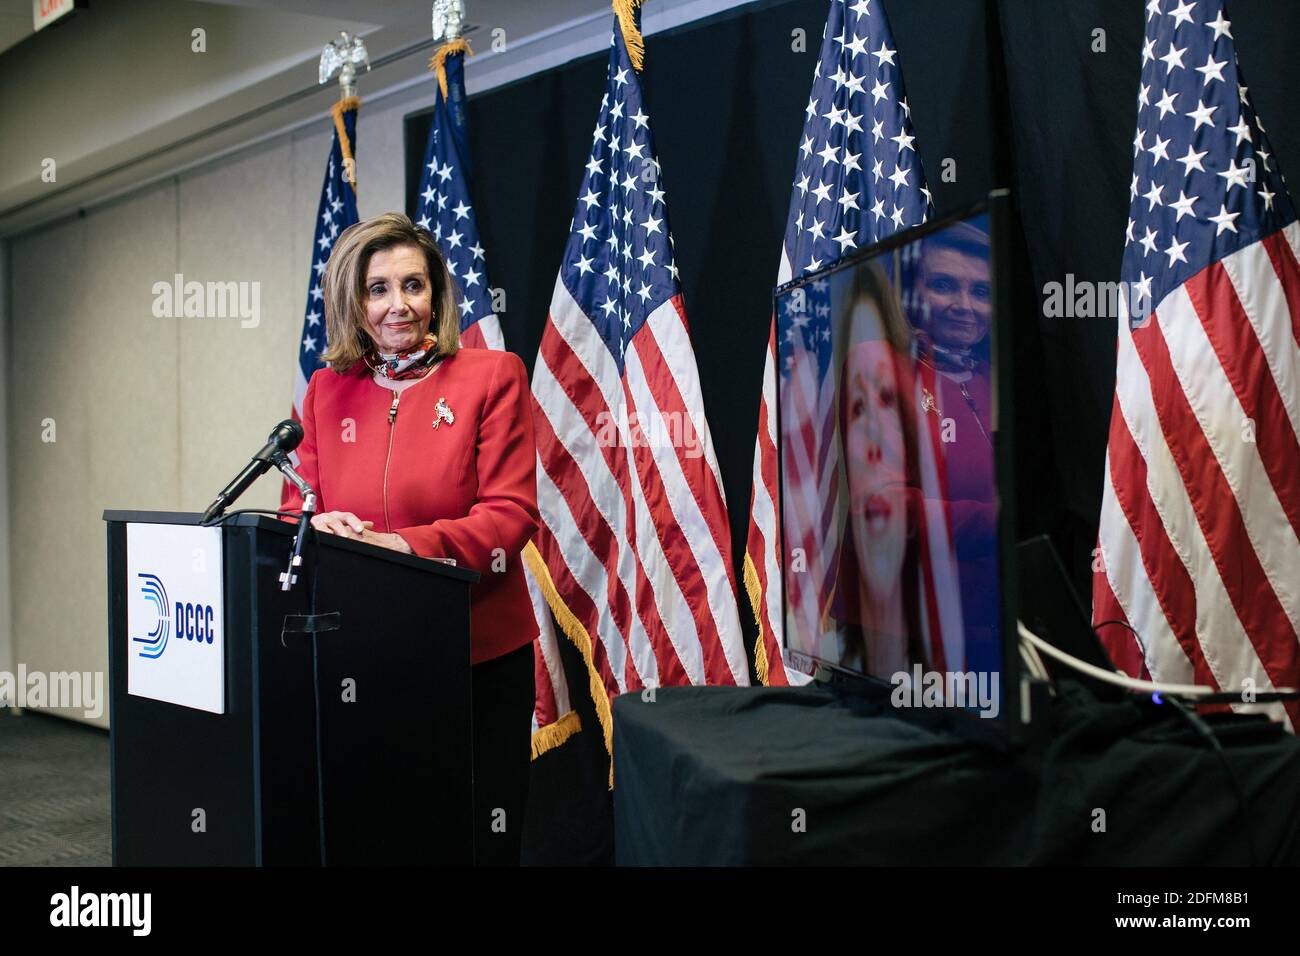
892	460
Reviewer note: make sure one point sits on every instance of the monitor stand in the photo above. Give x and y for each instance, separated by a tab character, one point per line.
876	696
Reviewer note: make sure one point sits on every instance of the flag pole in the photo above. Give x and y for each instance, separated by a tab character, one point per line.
336	211
444	179
448	18
342	56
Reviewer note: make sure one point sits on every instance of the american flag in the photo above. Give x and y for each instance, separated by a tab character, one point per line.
336	211
448	213
634	524
1198	547
858	179
445	207
810	457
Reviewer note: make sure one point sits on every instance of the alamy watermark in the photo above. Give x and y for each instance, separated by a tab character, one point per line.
208	300
75	908
665	430
972	690
72	690
1084	299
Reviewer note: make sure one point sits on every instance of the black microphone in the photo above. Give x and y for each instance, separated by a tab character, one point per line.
283	439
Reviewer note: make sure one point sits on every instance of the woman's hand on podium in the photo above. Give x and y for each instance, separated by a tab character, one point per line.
342	523
347	525
394	542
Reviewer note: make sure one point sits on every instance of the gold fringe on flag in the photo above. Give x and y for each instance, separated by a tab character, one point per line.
337	111
625	10
575	632
755	591
552	735
437	62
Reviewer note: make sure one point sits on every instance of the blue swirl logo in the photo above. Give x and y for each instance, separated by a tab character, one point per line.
190	622
155	593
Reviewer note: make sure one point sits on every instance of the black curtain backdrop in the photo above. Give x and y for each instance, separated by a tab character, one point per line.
1004	93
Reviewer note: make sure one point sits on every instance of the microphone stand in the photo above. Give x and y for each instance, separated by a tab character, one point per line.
289	577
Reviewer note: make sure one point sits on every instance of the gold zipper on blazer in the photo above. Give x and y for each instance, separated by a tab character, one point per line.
392	428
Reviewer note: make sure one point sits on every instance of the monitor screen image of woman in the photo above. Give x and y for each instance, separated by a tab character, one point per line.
877	599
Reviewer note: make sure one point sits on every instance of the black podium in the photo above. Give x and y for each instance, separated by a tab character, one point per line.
346	732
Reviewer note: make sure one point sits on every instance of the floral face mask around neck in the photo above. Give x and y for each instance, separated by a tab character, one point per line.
406	364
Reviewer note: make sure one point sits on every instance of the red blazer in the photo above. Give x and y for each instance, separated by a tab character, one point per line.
461	490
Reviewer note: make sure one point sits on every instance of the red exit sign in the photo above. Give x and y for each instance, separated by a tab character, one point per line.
45	12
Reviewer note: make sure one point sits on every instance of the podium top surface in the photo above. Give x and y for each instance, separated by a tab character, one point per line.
284	528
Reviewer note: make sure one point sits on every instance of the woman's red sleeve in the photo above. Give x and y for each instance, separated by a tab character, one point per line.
291	499
505	515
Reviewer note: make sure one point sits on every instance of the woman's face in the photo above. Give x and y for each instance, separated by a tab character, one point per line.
877	472
398	298
958	297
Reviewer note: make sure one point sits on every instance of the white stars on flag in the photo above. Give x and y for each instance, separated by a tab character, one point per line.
858	177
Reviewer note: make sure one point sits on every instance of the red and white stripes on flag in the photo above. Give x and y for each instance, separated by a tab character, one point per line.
554	719
1197	549
763	545
634	539
1199	541
635	545
813	478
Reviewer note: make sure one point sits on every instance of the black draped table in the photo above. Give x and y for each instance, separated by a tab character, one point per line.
758	776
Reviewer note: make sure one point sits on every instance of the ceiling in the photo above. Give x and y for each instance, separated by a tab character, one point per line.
117	97
15	22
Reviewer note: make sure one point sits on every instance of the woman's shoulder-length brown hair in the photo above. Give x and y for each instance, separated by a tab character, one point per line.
344	287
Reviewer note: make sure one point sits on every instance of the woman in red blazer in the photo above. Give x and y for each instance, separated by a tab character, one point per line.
414	444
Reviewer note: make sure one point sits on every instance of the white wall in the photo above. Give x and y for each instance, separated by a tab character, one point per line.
153	413
6	603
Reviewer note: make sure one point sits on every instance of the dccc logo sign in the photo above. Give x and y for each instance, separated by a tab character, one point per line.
193	622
